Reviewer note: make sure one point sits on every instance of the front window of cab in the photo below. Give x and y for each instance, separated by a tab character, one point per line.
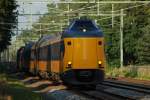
83	26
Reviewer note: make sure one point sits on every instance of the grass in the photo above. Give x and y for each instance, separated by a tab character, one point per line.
11	86
137	72
18	92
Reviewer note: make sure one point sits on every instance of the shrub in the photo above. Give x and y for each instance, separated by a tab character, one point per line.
139	72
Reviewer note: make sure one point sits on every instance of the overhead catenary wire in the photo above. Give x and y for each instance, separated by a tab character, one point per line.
91	6
123	9
102	18
93	14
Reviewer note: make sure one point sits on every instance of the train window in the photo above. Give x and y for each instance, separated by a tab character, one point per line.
43	53
55	51
99	42
69	43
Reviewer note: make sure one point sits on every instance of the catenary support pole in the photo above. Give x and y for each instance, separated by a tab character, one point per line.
121	38
112	20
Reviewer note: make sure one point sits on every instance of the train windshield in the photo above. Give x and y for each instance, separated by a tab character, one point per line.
83	26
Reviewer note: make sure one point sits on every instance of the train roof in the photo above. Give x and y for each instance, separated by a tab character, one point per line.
82	28
48	39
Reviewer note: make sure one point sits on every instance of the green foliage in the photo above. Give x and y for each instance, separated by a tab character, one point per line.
7	15
21	93
138	72
144	47
3	68
14	88
136	26
132	72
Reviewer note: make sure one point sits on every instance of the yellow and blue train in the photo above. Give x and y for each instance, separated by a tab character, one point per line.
76	57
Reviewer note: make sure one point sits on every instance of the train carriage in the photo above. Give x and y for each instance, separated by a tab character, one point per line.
48	59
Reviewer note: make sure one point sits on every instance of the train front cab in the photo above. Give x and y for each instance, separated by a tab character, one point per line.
84	58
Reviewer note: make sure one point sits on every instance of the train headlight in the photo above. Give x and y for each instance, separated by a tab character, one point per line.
99	62
84	30
69	64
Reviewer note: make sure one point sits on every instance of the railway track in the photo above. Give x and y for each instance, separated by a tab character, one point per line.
125	85
108	90
116	90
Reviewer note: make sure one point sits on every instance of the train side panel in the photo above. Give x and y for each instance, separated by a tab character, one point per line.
42	62
55	58
33	60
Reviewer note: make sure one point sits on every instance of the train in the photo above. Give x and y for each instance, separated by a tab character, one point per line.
76	57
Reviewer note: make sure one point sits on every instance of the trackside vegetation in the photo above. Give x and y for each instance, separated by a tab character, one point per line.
136	72
11	88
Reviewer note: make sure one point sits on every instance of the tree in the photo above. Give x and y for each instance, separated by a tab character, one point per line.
144	47
8	15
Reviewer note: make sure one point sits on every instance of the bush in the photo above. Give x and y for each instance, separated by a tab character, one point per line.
132	72
139	72
2	68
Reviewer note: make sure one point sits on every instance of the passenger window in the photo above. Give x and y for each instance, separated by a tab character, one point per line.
69	43
99	42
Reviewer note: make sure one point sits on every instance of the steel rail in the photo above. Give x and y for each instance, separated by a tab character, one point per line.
129	86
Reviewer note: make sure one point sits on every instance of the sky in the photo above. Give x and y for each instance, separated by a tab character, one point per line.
26	8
